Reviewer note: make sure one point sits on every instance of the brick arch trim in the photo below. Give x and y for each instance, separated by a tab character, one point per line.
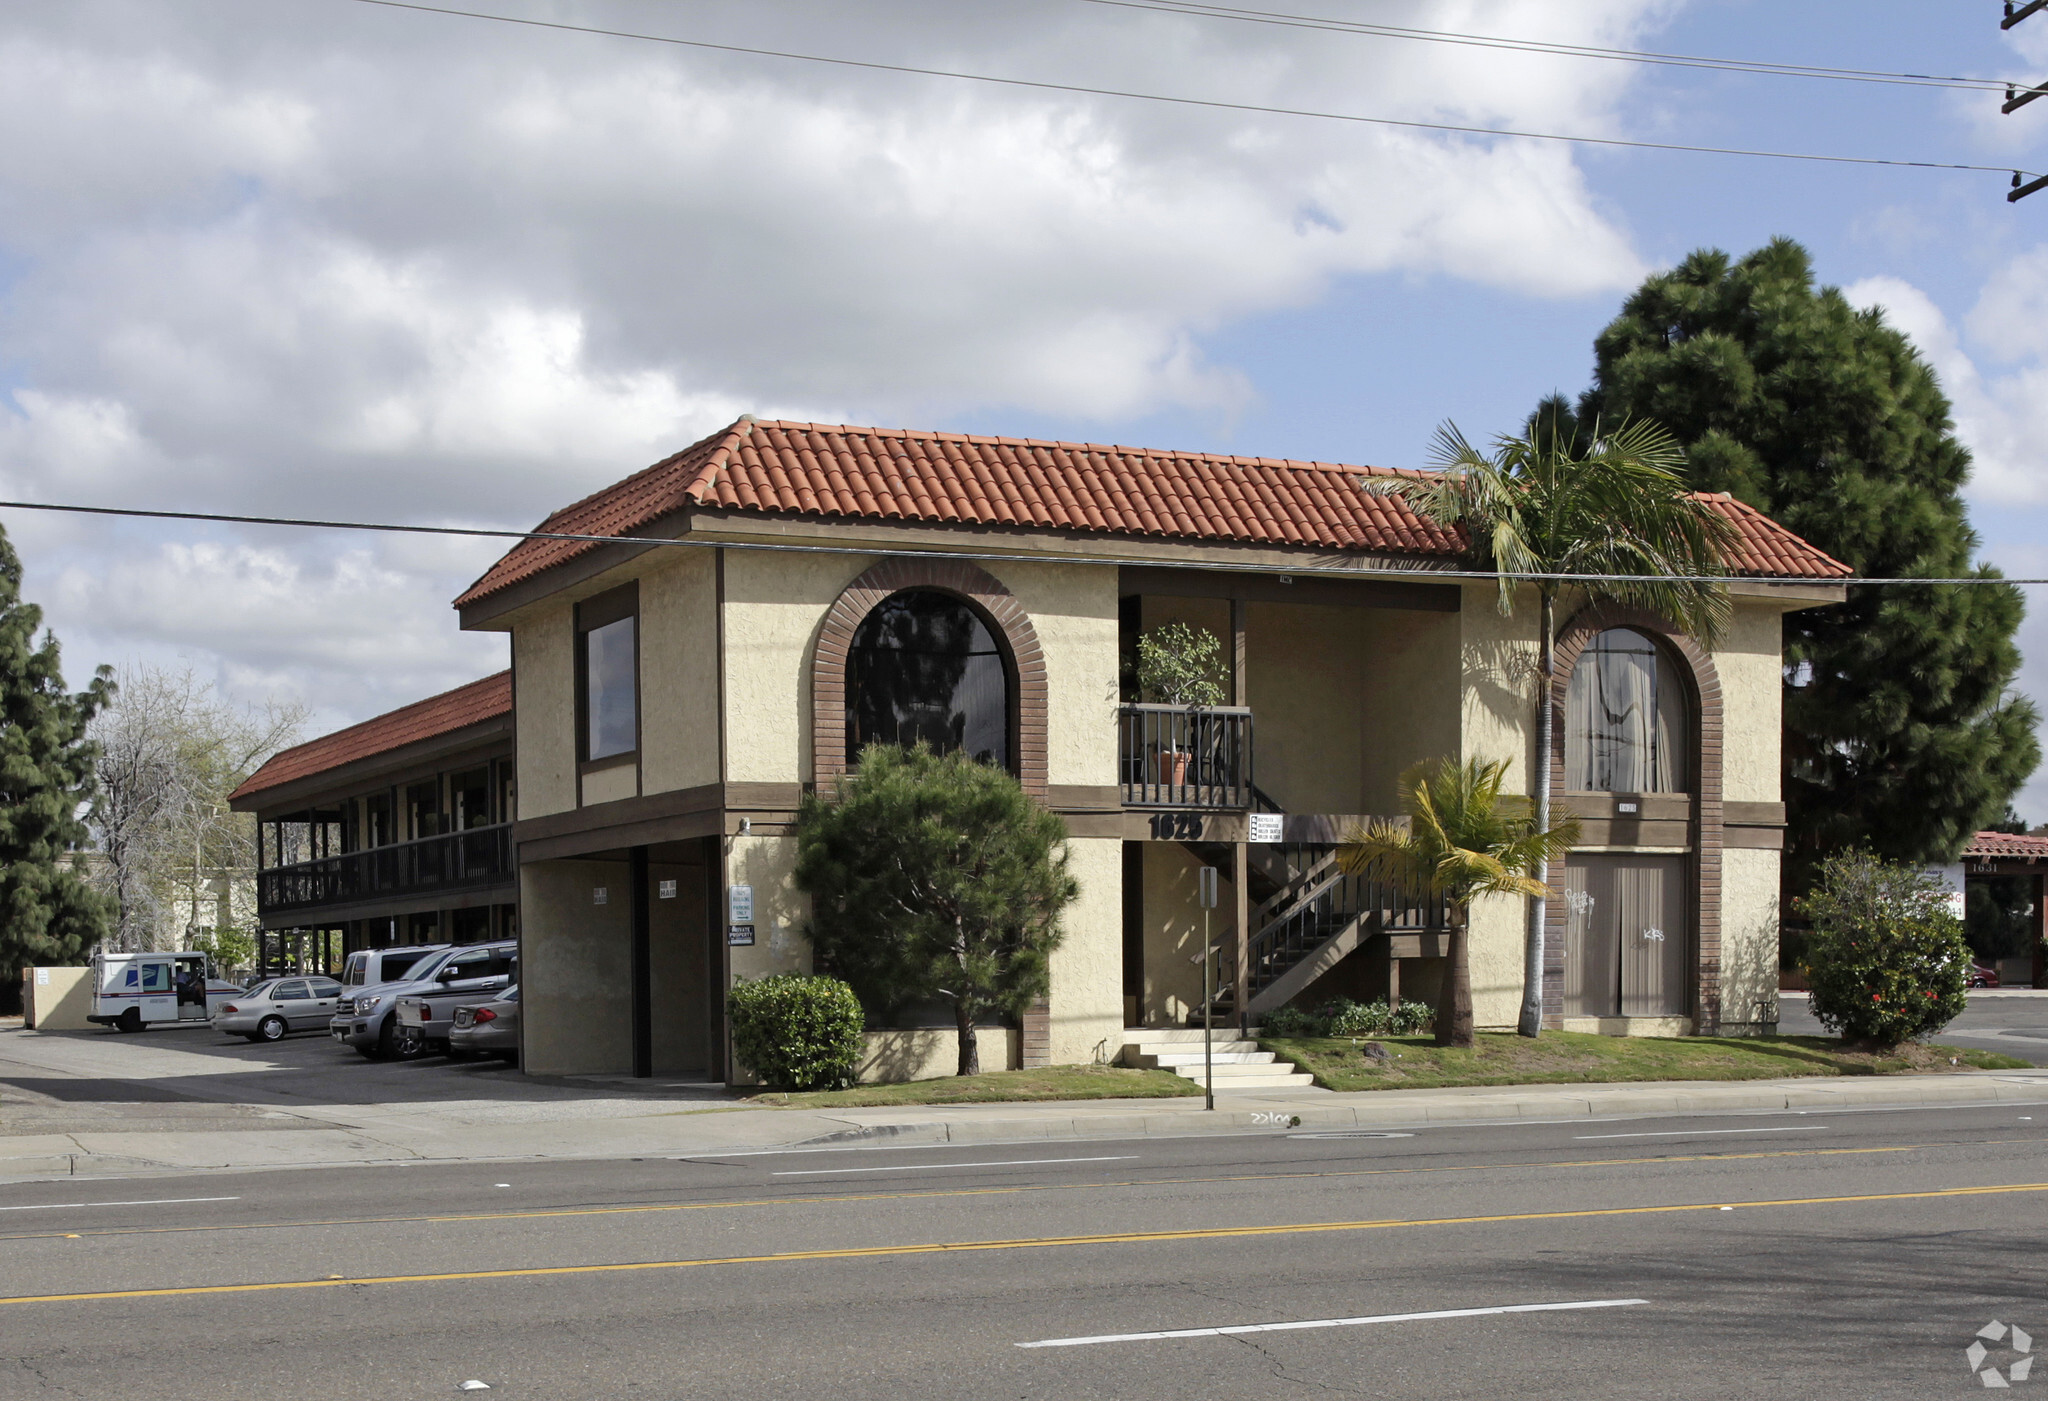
1708	731
987	595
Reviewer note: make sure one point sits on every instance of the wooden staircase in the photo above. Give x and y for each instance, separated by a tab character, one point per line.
1314	921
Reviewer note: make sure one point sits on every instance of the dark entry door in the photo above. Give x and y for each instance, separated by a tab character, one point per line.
1627	940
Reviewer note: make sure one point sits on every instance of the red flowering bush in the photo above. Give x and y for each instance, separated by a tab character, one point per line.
1886	961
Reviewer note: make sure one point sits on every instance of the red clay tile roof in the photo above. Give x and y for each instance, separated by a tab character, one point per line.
437	715
812	469
2006	846
1765	547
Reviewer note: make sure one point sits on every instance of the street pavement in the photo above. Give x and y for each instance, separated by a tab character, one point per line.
1829	1252
98	1105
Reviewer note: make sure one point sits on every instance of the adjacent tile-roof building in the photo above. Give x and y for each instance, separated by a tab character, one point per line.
2006	846
825	470
466	705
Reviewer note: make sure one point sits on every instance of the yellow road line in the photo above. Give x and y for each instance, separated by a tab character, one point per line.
542	1213
866	1252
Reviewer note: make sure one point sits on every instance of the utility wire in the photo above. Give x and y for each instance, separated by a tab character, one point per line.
1544	46
1421	573
1045	86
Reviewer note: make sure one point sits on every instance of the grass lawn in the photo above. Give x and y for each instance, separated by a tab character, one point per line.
1056	1082
1563	1058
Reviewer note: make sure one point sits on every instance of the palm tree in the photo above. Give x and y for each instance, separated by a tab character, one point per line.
1604	517
1463	840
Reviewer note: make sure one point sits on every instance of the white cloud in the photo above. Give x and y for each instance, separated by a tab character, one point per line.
323	258
2001	415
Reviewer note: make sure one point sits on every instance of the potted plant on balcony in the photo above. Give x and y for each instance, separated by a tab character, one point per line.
1182	666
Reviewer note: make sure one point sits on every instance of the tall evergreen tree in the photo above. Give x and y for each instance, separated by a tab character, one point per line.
1900	731
48	913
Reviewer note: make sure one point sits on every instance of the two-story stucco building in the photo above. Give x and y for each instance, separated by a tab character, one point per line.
791	592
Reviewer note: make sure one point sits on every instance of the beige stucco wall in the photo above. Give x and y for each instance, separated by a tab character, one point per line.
1749	941
1752	696
927	1053
544	703
575	969
1073	609
1409	698
679	671
768	864
1088	966
1306	679
773	606
1173	935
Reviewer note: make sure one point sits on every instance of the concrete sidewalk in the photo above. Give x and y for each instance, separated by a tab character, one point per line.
485	1131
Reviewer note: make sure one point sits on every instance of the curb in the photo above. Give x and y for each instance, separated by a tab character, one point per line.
1383	1111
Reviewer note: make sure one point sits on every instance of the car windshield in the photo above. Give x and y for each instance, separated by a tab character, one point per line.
510	994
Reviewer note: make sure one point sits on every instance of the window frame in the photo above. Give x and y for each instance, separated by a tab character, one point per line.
613	606
1005	653
1668	663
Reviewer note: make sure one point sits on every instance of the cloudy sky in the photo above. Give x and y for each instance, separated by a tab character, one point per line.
321	257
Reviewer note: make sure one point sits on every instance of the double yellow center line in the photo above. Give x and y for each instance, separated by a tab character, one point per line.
1037	1243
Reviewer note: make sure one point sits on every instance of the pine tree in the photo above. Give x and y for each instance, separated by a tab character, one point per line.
934	876
48	913
1900	732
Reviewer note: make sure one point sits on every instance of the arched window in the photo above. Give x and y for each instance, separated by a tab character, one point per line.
923	666
1627	725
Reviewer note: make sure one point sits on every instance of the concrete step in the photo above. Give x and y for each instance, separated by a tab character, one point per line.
1148	1035
1234	1070
1174	1060
1270	1079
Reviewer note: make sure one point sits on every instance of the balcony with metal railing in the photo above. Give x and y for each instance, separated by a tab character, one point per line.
1176	756
474	858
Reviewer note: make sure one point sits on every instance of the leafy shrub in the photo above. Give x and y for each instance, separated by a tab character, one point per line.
798	1033
1343	1017
1886	960
1181	665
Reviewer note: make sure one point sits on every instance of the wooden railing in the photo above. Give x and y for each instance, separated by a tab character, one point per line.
452	861
1322	905
1173	756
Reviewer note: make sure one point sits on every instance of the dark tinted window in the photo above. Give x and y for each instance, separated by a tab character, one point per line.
924	666
325	987
397	965
294	991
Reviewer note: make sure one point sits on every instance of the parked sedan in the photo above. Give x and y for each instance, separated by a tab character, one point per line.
489	1030
269	1010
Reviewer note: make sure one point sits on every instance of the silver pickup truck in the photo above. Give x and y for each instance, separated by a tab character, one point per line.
423	1014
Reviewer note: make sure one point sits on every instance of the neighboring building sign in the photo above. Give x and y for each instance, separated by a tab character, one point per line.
739	935
1268	827
740	905
1951	878
668	890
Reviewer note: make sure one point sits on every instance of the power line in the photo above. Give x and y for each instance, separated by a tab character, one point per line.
1543	46
1213	103
1418	574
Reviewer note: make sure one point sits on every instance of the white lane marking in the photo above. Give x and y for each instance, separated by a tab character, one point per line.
80	1206
1701	1133
938	1167
1331	1323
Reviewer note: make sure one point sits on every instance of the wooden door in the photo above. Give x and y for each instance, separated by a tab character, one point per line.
1655	943
1591	977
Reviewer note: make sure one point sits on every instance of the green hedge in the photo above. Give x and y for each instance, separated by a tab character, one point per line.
798	1033
1343	1017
